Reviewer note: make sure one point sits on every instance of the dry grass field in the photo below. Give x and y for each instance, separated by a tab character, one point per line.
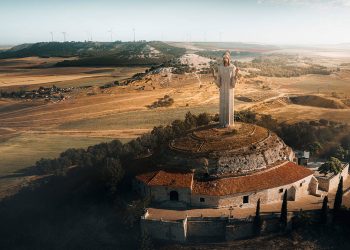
31	129
33	71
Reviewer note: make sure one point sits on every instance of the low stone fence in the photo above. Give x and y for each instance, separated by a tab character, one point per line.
215	229
165	230
206	228
244	228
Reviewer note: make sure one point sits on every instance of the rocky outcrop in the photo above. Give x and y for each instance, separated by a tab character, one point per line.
246	148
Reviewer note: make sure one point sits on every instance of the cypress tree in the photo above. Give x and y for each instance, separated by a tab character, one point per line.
257	219
324	210
284	211
338	199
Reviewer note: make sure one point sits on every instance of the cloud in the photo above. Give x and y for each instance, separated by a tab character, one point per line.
323	3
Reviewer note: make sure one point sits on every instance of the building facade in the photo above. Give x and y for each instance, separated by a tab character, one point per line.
178	188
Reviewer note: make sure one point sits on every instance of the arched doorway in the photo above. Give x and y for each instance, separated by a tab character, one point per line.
292	193
174	196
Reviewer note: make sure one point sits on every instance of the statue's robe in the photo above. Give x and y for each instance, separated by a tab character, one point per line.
226	81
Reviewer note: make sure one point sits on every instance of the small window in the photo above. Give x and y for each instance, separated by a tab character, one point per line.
202	199
281	190
246	199
301	184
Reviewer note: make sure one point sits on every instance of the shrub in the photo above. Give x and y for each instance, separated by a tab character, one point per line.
345	142
245	116
203	119
331	166
190	121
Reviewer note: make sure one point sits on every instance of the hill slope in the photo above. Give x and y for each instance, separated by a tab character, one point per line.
99	53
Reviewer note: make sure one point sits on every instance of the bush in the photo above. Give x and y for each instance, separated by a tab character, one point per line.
331	166
166	101
345	142
245	116
190	121
112	173
203	119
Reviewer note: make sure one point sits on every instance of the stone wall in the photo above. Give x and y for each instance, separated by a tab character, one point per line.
206	228
239	230
235	200
165	230
264	153
244	228
331	183
295	191
301	189
162	194
313	186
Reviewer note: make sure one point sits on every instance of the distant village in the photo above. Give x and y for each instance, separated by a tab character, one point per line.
53	93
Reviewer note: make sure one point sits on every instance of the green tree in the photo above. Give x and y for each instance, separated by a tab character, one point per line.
340	153
112	173
314	147
245	116
268	122
190	120
345	142
323	122
74	155
324	211
203	119
338	199
179	127
284	212
331	166
257	219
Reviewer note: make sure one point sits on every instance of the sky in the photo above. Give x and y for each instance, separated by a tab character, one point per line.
256	21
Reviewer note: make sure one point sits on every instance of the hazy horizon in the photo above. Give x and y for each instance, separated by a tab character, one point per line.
295	22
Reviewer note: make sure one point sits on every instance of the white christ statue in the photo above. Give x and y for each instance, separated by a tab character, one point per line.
226	81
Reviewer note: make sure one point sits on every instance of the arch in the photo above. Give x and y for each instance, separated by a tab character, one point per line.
174	195
292	193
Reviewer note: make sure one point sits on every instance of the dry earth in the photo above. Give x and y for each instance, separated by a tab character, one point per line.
93	115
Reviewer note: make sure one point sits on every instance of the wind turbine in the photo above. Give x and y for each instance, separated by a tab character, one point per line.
64	36
111	32
87	35
51	36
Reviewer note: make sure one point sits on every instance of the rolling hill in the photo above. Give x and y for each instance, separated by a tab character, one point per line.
99	53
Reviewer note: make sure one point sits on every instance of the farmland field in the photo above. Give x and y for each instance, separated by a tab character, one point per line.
31	129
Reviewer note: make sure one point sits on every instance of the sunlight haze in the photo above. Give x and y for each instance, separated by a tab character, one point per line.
259	21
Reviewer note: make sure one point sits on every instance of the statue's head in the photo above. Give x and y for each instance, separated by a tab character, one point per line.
226	60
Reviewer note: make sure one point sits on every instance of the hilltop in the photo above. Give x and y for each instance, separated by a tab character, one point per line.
98	53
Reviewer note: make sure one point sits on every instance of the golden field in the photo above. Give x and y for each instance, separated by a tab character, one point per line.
31	129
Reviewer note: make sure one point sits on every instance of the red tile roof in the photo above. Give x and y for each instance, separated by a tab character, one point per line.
146	177
279	176
169	179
